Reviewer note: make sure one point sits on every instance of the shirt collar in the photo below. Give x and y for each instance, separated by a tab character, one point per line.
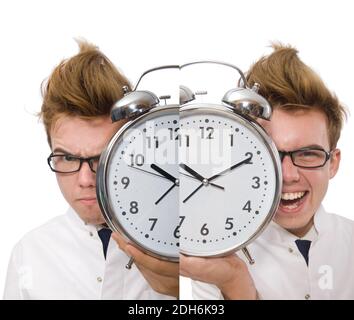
79	223
276	233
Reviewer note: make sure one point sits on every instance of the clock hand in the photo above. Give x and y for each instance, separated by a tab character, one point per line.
212	184
199	177
191	171
167	176
207	181
196	175
157	175
185	200
165	194
229	169
163	172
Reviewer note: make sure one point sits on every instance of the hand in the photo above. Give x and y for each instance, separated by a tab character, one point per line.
247	160
230	274
165	194
196	175
206	181
167	176
162	276
164	173
212	184
154	174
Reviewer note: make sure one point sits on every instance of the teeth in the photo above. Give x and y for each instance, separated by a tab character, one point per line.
291	206
292	195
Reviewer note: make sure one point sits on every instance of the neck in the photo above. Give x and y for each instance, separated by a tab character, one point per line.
301	232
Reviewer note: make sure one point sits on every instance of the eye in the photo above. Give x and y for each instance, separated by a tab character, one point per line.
310	153
68	157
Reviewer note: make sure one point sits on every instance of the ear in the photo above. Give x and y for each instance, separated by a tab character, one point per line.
334	162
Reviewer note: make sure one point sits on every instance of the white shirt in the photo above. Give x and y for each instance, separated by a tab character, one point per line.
63	259
280	271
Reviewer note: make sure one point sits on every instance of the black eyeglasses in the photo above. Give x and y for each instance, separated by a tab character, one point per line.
307	157
66	163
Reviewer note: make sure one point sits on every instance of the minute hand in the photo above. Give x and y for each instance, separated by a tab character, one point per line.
247	160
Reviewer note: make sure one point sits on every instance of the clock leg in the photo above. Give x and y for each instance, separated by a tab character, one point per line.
248	255
130	263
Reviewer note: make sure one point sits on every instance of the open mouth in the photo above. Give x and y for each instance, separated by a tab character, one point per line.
292	200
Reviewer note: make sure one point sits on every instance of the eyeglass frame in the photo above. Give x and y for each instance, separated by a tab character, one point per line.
89	161
283	154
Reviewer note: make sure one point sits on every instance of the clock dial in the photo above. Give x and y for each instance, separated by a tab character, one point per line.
141	182
237	187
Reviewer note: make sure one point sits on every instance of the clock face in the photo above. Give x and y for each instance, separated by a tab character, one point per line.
239	180
138	174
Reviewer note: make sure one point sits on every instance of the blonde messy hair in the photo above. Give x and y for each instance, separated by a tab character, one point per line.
287	83
86	85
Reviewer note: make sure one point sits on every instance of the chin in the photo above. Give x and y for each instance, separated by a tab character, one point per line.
297	223
91	215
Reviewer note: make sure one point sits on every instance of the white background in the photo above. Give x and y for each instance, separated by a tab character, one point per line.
138	35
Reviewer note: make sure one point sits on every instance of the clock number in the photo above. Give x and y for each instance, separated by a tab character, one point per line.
134	207
136	160
149	142
204	231
178	136
250	155
171	133
187	140
231	140
256	181
176	232
125	181
210	134
247	206
228	224
154	220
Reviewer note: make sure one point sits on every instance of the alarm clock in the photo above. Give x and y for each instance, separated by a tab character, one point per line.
230	171
137	176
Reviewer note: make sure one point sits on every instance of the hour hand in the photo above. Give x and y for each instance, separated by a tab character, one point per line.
191	171
197	176
164	173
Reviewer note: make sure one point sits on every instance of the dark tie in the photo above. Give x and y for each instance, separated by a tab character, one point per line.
304	247
105	235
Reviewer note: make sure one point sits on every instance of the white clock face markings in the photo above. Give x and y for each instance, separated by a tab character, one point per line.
217	220
141	189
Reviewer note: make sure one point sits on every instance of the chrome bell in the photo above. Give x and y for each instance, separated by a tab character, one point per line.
247	101
185	95
133	104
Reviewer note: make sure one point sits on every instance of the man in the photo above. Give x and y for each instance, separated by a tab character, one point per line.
305	252
65	258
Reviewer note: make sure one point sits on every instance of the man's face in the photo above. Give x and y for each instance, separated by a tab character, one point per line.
83	138
307	187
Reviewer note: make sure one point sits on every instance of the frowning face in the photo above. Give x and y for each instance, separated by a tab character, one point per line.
82	138
303	189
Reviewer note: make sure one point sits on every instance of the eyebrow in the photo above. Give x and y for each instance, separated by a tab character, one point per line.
314	146
311	146
60	150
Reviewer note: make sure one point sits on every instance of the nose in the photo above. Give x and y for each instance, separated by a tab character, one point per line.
290	172
86	177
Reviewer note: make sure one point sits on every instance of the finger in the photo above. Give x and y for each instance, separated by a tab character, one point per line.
141	259
160	283
188	265
122	243
162	267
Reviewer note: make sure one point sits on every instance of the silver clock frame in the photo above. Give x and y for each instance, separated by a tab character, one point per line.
251	124
101	178
242	102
